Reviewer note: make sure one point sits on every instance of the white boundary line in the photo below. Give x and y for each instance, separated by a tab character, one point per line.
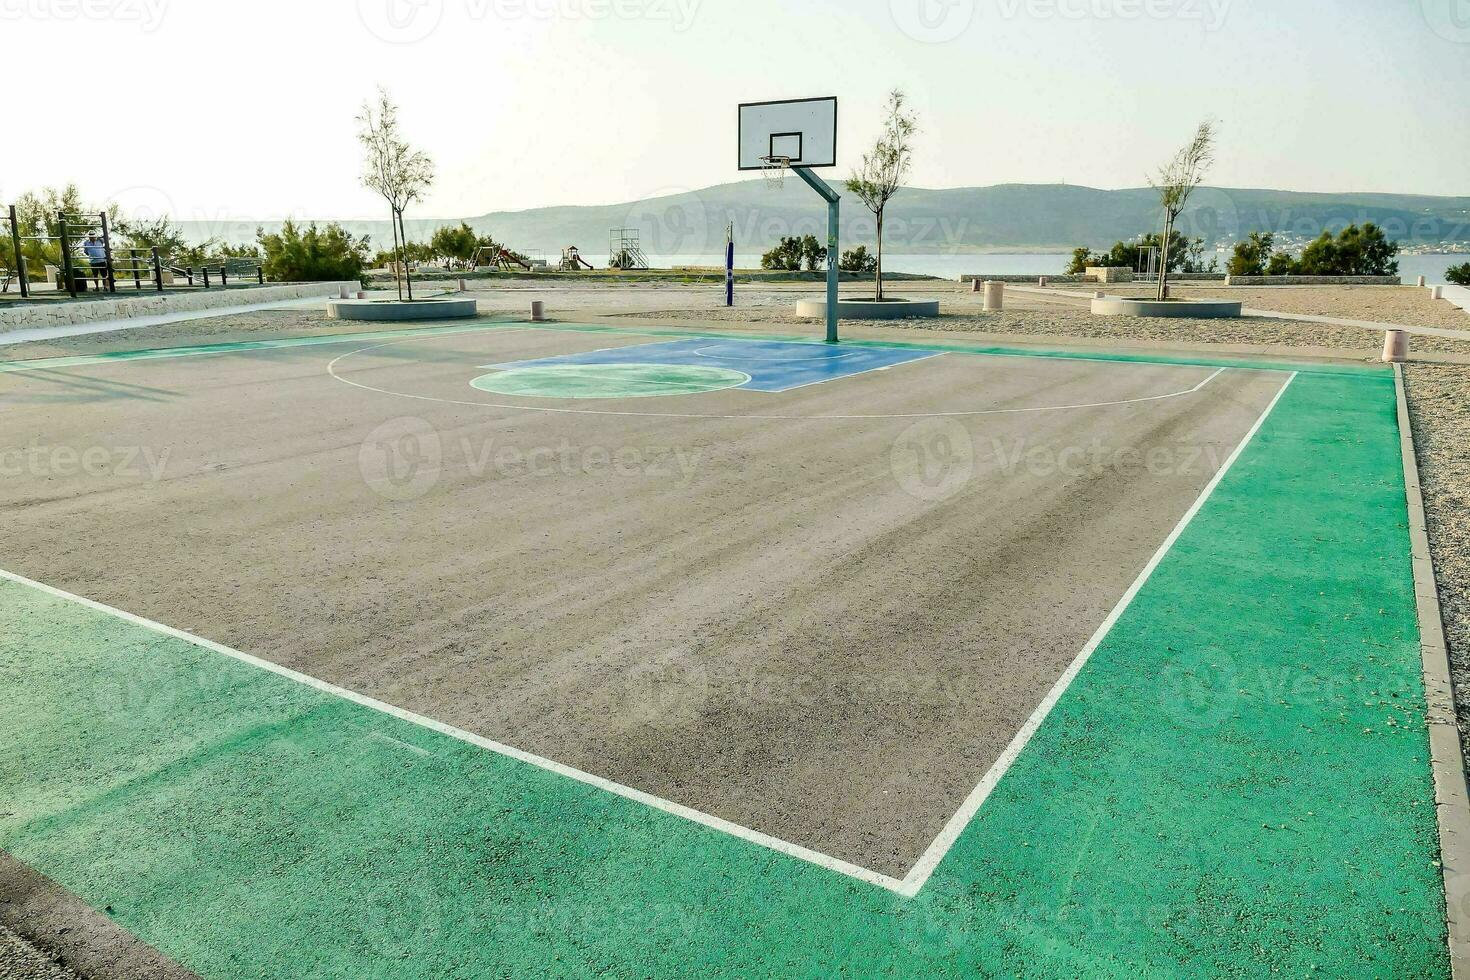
403	714
936	851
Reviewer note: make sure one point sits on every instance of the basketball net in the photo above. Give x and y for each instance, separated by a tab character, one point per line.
774	171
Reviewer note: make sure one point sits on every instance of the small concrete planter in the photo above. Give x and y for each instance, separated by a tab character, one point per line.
1195	309
867	309
400	310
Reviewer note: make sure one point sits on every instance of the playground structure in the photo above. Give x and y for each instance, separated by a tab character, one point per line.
497	257
89	259
572	261
624	250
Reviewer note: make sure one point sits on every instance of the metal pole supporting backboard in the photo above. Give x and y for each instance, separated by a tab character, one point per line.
823	188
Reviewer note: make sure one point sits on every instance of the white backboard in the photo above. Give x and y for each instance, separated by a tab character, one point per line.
803	129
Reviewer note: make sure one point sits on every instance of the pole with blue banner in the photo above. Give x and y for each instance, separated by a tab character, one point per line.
730	264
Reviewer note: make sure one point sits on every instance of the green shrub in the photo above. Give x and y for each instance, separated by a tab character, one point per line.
1081	259
858	260
785	257
456	244
1459	274
1356	251
313	255
1252	255
1185	255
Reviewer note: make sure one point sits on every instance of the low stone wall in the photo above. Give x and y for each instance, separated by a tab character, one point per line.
1313	281
60	313
1030	280
1062	280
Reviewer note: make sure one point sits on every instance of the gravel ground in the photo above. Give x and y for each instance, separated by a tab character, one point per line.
1063	320
260	325
1439	408
1385	304
19	960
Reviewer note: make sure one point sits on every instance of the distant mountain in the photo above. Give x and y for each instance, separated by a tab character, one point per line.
1005	217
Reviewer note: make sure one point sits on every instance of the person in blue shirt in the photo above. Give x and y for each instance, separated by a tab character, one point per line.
96	256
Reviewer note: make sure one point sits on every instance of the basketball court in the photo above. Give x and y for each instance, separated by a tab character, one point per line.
862	631
513	648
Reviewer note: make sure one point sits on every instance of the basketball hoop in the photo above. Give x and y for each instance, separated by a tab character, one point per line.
774	169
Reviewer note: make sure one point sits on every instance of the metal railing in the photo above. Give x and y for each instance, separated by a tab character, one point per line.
88	257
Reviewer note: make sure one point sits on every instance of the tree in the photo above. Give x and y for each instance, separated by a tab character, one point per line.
294	255
1184	255
1458	274
813	253
1252	255
456	244
785	257
1175	182
396	171
1356	251
858	260
1281	264
883	171
1081	259
160	233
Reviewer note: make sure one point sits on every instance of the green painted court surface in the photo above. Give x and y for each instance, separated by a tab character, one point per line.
610	380
1236	783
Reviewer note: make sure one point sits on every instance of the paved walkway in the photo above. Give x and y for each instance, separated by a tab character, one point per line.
131	322
1365	324
1462	300
1459	295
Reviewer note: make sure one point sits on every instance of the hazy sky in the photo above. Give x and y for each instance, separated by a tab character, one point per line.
244	110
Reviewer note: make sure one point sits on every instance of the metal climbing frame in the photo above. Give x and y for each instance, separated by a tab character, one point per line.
624	251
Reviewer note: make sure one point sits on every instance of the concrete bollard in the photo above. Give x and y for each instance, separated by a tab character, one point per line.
1437	292
462	286
995	293
342	292
1396	346
1421	282
975	285
538	310
1099	294
361	294
1041	281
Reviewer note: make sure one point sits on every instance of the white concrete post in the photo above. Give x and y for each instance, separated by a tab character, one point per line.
994	296
1437	292
975	285
1396	346
1421	282
538	310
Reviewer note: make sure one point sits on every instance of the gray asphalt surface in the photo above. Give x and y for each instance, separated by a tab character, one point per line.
823	629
